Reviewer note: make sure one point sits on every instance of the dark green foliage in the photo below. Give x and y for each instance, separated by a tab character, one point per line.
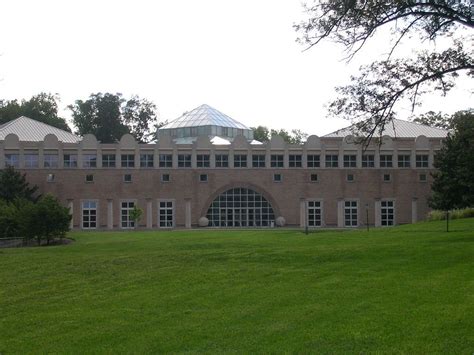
371	99
109	116
42	107
45	220
9	220
13	186
453	185
435	119
263	134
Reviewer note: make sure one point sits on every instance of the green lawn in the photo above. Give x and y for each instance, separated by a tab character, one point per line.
407	289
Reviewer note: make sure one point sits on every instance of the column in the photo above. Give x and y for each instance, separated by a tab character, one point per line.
187	222
2	156
70	205
378	217
414	210
340	213
110	214
149	213
303	213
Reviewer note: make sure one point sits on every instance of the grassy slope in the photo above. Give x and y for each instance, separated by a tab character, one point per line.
407	289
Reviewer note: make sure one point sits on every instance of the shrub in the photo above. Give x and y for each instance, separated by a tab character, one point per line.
437	215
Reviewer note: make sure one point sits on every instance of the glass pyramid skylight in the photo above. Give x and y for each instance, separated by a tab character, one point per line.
205	120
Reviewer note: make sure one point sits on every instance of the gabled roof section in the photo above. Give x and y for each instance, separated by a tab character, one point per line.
204	115
30	130
400	129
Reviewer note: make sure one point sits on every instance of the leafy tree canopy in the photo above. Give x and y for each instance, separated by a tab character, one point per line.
263	134
42	107
435	119
13	186
110	116
453	185
371	97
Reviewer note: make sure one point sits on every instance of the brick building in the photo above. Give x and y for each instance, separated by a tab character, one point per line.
205	164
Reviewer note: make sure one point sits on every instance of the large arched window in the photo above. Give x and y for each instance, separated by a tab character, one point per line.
240	207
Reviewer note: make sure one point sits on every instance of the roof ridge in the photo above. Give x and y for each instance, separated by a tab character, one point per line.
9	123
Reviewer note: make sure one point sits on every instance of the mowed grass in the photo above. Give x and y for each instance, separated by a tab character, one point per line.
407	289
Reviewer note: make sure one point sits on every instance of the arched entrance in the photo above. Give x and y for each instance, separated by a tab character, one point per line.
240	207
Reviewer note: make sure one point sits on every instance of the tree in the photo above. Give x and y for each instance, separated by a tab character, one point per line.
263	134
434	119
135	215
453	185
13	186
42	107
45	220
109	117
139	115
371	98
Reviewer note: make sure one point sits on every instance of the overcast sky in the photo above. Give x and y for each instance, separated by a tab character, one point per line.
239	56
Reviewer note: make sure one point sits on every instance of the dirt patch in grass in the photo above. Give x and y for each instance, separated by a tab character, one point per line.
19	243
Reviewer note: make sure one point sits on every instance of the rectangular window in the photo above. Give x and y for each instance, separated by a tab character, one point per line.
125	214
387	212
89	161
350	213
51	161
203	177
31	160
386	161
387	177
258	161
184	160
89	214
165	178
350	177
50	178
165	214
146	161
127	160
222	160
276	160
12	160
423	177
314	213
70	160
277	177
295	161
203	161
240	161
314	178
166	160
421	160
312	161
404	160
108	160
368	161
350	161
332	160
127	178
89	178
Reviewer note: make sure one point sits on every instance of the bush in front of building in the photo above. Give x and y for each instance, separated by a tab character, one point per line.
437	215
22	215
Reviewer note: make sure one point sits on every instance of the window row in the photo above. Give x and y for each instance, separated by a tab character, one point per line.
314	212
128	178
220	160
89	214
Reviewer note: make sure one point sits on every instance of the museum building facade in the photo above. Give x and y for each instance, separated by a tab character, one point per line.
207	170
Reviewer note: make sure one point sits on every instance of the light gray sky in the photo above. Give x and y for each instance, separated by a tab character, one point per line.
238	56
